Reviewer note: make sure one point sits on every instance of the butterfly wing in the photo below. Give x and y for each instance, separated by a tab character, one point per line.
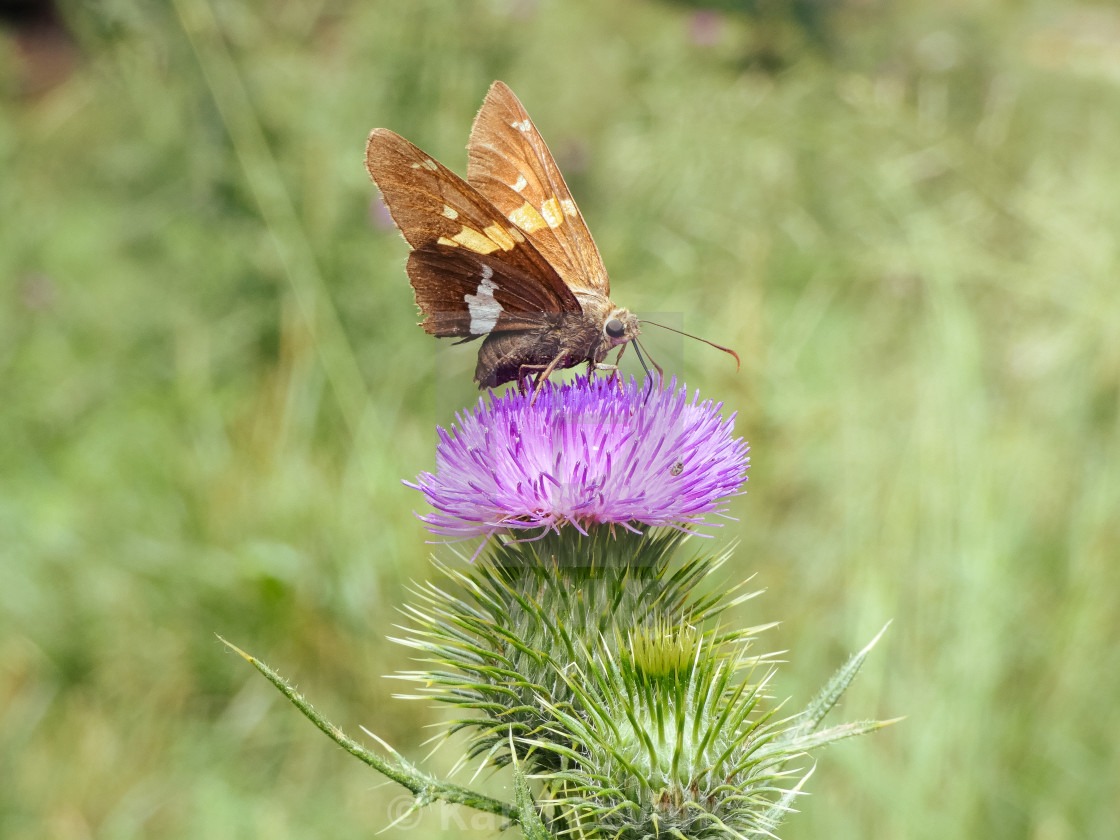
512	167
473	271
462	293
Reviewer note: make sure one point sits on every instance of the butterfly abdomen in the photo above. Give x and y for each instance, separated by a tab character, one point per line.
508	356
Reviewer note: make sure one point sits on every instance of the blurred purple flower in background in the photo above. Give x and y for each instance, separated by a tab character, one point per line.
706	28
379	217
586	453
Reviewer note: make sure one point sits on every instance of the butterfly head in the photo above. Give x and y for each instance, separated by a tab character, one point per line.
620	327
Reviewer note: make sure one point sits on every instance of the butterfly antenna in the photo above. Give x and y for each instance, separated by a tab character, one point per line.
738	362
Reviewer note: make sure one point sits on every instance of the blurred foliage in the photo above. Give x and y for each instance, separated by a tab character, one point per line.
211	383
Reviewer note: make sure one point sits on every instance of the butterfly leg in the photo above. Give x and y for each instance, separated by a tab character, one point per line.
615	373
525	371
523	374
615	376
594	366
546	371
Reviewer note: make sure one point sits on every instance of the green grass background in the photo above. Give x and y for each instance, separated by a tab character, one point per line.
905	216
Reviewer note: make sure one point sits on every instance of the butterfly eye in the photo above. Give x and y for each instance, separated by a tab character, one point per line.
614	328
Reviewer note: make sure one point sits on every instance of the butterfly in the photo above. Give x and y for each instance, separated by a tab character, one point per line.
505	254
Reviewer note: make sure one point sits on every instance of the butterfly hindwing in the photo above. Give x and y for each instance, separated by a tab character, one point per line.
461	293
470	267
512	167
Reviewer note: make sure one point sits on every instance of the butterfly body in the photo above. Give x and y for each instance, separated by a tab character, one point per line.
564	340
504	254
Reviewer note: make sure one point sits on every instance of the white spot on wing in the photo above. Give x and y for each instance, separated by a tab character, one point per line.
521	183
450	212
483	307
524	125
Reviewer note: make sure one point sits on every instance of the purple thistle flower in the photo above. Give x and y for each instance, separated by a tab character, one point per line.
585	453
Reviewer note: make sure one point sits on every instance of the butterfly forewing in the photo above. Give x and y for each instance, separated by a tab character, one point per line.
472	270
512	167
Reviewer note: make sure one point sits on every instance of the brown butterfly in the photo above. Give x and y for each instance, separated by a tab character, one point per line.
504	254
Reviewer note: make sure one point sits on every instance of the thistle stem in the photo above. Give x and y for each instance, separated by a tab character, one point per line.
427	789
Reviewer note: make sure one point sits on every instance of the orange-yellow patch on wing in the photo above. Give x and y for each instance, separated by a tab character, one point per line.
491	239
552	213
495	234
472	240
527	218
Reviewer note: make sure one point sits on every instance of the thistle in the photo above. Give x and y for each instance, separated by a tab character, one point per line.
589	645
585	454
580	642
